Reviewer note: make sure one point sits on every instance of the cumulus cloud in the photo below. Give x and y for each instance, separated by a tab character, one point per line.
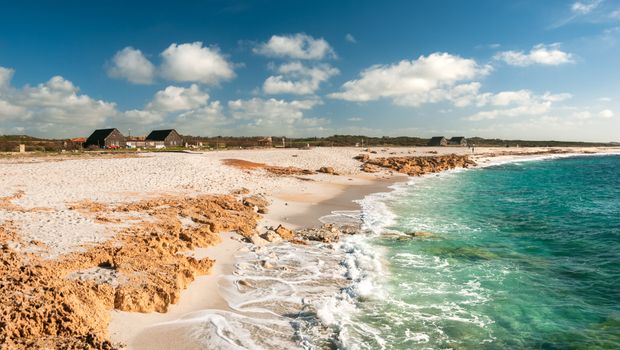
296	78
206	120
193	62
166	107
296	46
174	98
270	110
515	104
276	117
427	79
549	55
131	64
55	105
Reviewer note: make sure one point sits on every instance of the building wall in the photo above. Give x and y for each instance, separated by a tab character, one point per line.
115	139
173	140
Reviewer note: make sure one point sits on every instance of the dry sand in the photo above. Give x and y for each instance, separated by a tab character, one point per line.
49	188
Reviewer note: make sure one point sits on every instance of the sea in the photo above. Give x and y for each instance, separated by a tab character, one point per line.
520	255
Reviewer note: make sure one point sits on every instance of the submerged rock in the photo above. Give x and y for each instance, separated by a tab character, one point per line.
420	234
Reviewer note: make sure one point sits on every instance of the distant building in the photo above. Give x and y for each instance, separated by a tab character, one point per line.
458	141
106	138
136	142
438	141
265	142
164	138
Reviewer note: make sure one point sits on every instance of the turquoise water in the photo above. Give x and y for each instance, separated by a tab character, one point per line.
523	256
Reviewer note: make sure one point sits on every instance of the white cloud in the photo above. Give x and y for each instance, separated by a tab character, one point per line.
174	98
296	78
550	55
296	46
428	79
131	64
583	7
355	119
9	111
193	62
350	38
606	114
270	110
517	104
54	106
605	99
505	98
206	120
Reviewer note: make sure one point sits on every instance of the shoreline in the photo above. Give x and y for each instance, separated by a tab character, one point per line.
294	204
148	331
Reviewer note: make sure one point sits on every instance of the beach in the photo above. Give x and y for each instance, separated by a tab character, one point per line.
69	212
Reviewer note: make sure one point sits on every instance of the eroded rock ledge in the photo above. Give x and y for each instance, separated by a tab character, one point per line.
42	307
416	166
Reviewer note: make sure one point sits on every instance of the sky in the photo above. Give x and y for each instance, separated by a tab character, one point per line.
525	69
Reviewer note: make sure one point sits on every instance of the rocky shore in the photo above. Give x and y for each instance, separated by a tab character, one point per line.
73	248
415	165
51	304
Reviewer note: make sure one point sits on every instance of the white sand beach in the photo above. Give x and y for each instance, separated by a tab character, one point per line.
37	196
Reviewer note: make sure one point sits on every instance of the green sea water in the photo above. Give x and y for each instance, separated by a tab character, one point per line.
523	256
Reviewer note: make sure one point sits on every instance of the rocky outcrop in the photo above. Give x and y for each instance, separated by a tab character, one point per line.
42	307
327	234
370	168
284	232
327	170
276	170
363	157
416	166
258	203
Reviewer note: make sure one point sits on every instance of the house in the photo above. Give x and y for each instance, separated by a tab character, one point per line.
438	141
106	138
458	141
265	142
164	138
136	142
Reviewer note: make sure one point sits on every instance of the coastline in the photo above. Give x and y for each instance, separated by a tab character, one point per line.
157	330
154	331
294	204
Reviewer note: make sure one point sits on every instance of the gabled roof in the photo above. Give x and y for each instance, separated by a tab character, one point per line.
457	138
437	138
99	135
159	135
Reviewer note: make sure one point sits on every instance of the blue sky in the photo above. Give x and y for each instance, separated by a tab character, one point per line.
519	69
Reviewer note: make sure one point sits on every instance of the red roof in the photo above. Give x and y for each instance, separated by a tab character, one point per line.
79	139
